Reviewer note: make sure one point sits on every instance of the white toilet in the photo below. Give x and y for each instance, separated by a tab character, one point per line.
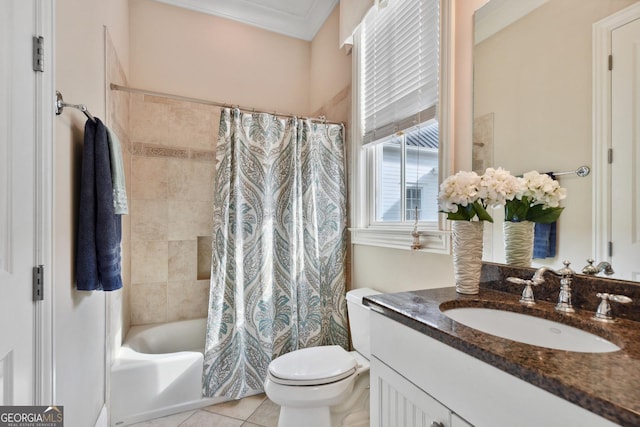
326	386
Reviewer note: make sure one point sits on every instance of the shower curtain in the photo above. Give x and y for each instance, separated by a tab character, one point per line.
279	246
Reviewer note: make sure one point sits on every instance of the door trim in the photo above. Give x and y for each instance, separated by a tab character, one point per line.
44	367
601	127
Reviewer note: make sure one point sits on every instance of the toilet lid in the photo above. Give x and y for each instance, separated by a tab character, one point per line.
313	366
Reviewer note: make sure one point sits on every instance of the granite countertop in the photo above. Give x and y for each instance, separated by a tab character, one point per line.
607	384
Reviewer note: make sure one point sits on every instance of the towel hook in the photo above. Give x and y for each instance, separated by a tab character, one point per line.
60	104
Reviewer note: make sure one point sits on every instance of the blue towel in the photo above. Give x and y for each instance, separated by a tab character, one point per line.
99	228
544	237
544	240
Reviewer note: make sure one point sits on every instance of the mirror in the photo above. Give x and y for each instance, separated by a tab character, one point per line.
533	106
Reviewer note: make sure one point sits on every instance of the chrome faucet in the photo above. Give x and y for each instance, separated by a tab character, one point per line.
603	266
565	274
603	313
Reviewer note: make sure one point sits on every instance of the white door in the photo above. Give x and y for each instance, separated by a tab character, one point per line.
625	143
17	202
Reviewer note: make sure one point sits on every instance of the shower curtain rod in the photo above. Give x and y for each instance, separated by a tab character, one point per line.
114	86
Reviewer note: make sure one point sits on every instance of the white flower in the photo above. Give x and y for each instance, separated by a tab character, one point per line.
541	189
460	189
497	186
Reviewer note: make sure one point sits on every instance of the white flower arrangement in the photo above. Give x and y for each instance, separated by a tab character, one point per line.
538	199
499	186
461	197
534	197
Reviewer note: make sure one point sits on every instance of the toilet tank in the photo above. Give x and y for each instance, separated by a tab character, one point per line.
359	320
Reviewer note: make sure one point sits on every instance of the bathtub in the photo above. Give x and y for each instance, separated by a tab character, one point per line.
158	372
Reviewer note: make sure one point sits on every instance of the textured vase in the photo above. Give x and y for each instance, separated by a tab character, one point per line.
467	255
518	243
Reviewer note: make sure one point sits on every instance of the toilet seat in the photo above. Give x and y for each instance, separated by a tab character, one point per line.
313	366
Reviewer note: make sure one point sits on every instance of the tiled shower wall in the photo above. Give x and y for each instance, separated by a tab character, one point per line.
171	207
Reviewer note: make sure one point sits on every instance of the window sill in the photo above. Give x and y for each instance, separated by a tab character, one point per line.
432	241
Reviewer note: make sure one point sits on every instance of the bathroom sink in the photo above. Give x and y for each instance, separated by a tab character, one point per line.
530	330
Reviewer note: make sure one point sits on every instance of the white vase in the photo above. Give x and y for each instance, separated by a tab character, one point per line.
467	255
518	243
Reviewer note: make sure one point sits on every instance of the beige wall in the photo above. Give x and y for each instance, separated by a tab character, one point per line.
79	323
171	208
330	73
395	270
535	77
178	51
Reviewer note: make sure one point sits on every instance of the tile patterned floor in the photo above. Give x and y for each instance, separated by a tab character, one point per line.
253	411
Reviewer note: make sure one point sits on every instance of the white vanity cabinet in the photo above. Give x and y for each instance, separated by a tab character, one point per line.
417	380
398	402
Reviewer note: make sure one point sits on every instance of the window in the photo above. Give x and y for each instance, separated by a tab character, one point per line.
406	163
397	63
413	196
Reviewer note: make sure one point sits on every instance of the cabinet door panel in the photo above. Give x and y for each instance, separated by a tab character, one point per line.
396	402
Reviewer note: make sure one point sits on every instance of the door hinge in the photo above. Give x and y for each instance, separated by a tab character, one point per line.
610	155
38	283
610	62
38	53
610	248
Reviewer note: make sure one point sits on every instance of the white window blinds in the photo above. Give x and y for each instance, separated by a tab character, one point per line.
400	50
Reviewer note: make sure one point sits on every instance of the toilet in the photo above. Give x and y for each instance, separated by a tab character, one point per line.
326	386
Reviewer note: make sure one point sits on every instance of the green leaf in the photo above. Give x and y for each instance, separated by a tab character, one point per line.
465	213
516	210
482	213
457	216
468	211
544	216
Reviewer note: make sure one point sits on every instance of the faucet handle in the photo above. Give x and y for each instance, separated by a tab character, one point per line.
518	281
527	294
622	299
603	313
566	271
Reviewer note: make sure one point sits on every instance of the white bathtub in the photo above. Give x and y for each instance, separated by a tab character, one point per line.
159	372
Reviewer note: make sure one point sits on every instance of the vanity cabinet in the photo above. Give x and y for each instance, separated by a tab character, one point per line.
396	401
417	380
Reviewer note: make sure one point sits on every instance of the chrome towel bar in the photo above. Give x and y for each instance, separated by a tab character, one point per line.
582	171
60	104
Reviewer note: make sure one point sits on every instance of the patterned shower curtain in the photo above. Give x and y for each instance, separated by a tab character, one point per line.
279	245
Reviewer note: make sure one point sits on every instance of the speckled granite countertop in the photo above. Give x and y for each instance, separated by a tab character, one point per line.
607	384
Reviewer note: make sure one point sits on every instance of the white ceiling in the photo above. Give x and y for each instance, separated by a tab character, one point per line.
295	18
